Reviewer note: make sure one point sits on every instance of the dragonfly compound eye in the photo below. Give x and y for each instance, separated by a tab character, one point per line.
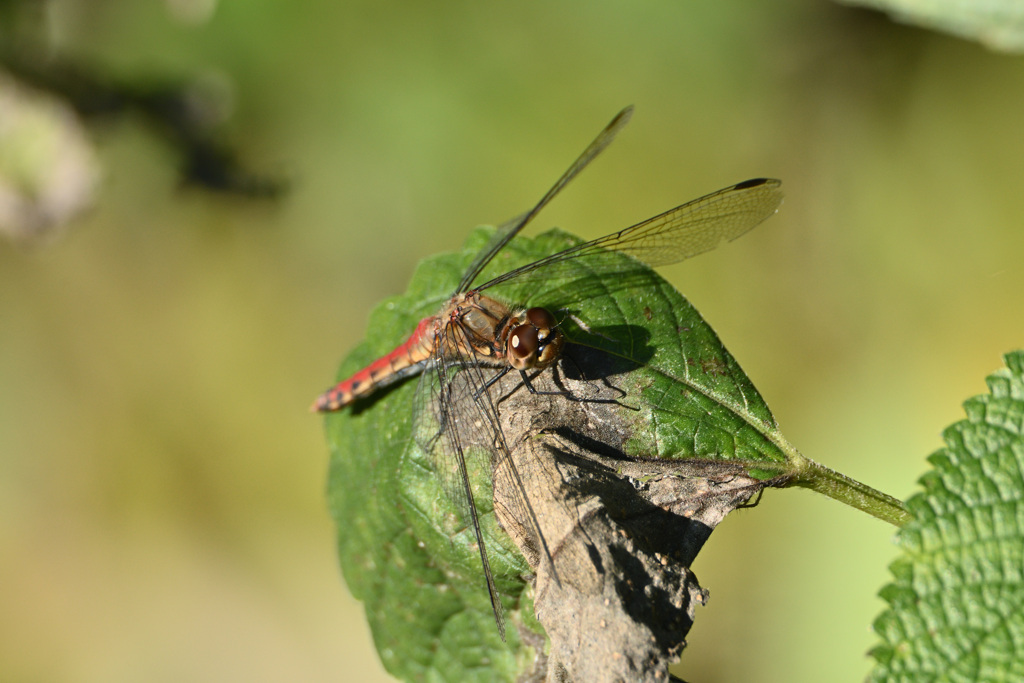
549	338
542	319
522	347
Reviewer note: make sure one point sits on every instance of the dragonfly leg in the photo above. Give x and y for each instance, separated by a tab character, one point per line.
536	392
489	383
622	394
566	392
528	383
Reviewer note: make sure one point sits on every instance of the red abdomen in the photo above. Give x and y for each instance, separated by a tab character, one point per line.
415	350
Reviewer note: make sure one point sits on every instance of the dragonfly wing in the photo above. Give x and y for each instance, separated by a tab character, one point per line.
673	236
469	437
457	438
509	230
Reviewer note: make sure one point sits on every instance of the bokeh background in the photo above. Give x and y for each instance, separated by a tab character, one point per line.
162	515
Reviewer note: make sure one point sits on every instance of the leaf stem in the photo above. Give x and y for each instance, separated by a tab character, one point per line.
817	477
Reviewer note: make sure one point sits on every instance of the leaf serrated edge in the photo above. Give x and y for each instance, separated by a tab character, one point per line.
894	626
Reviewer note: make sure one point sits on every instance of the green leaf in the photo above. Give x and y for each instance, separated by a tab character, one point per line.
693	398
956	605
667	427
405	551
998	24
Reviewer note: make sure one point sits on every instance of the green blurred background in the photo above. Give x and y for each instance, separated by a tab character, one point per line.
161	482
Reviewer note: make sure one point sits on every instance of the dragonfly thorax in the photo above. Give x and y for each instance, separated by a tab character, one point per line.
534	340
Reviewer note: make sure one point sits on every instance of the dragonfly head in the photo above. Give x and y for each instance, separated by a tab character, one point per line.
536	342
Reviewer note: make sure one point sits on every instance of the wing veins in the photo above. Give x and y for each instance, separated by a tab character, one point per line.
511	228
447	410
677	234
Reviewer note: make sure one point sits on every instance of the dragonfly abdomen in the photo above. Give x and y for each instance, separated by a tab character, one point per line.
399	363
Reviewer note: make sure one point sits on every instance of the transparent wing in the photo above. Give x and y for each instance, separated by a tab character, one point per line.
464	434
677	234
509	230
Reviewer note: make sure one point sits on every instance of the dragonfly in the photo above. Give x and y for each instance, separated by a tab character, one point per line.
477	337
